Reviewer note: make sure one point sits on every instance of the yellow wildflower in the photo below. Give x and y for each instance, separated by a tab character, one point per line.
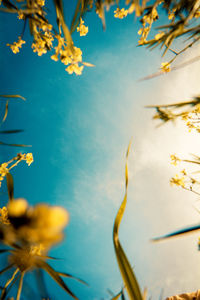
174	159
183	172
165	67
20	15
120	13
178	180
16	45
197	14
74	68
82	28
54	57
29	158
41	2
4	215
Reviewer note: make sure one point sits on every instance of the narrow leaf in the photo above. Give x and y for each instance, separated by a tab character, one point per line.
177	233
11	131
56	277
71	276
127	273
6	112
14	145
13	96
10	186
20	286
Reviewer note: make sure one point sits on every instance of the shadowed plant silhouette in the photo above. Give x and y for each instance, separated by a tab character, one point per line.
30	232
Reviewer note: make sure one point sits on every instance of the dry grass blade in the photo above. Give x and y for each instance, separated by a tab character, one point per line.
6	112
13	96
55	275
71	276
10	186
177	233
127	273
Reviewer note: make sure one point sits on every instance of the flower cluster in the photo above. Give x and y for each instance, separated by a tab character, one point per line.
7	166
82	29
16	45
68	56
30	232
165	67
120	13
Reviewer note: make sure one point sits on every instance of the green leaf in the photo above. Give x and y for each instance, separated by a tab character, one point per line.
127	273
10	186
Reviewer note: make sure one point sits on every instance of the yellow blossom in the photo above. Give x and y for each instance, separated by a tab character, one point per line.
174	159
54	57
82	29
16	45
165	67
29	158
20	15
74	68
4	215
180	181
120	13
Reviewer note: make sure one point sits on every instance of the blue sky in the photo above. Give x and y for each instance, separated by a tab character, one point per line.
79	129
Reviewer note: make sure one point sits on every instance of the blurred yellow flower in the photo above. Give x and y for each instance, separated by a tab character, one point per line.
120	13
82	29
29	158
16	45
174	159
177	180
165	67
74	68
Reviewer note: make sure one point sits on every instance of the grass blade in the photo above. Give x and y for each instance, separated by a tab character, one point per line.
6	112
55	275
71	276
127	273
10	186
13	96
177	233
11	131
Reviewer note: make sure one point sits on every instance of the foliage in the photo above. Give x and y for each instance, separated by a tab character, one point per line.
29	232
182	20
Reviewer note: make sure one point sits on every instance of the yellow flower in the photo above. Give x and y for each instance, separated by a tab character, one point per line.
29	158
165	67
174	159
74	68
16	45
54	57
178	180
82	28
120	13
3	169
4	215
